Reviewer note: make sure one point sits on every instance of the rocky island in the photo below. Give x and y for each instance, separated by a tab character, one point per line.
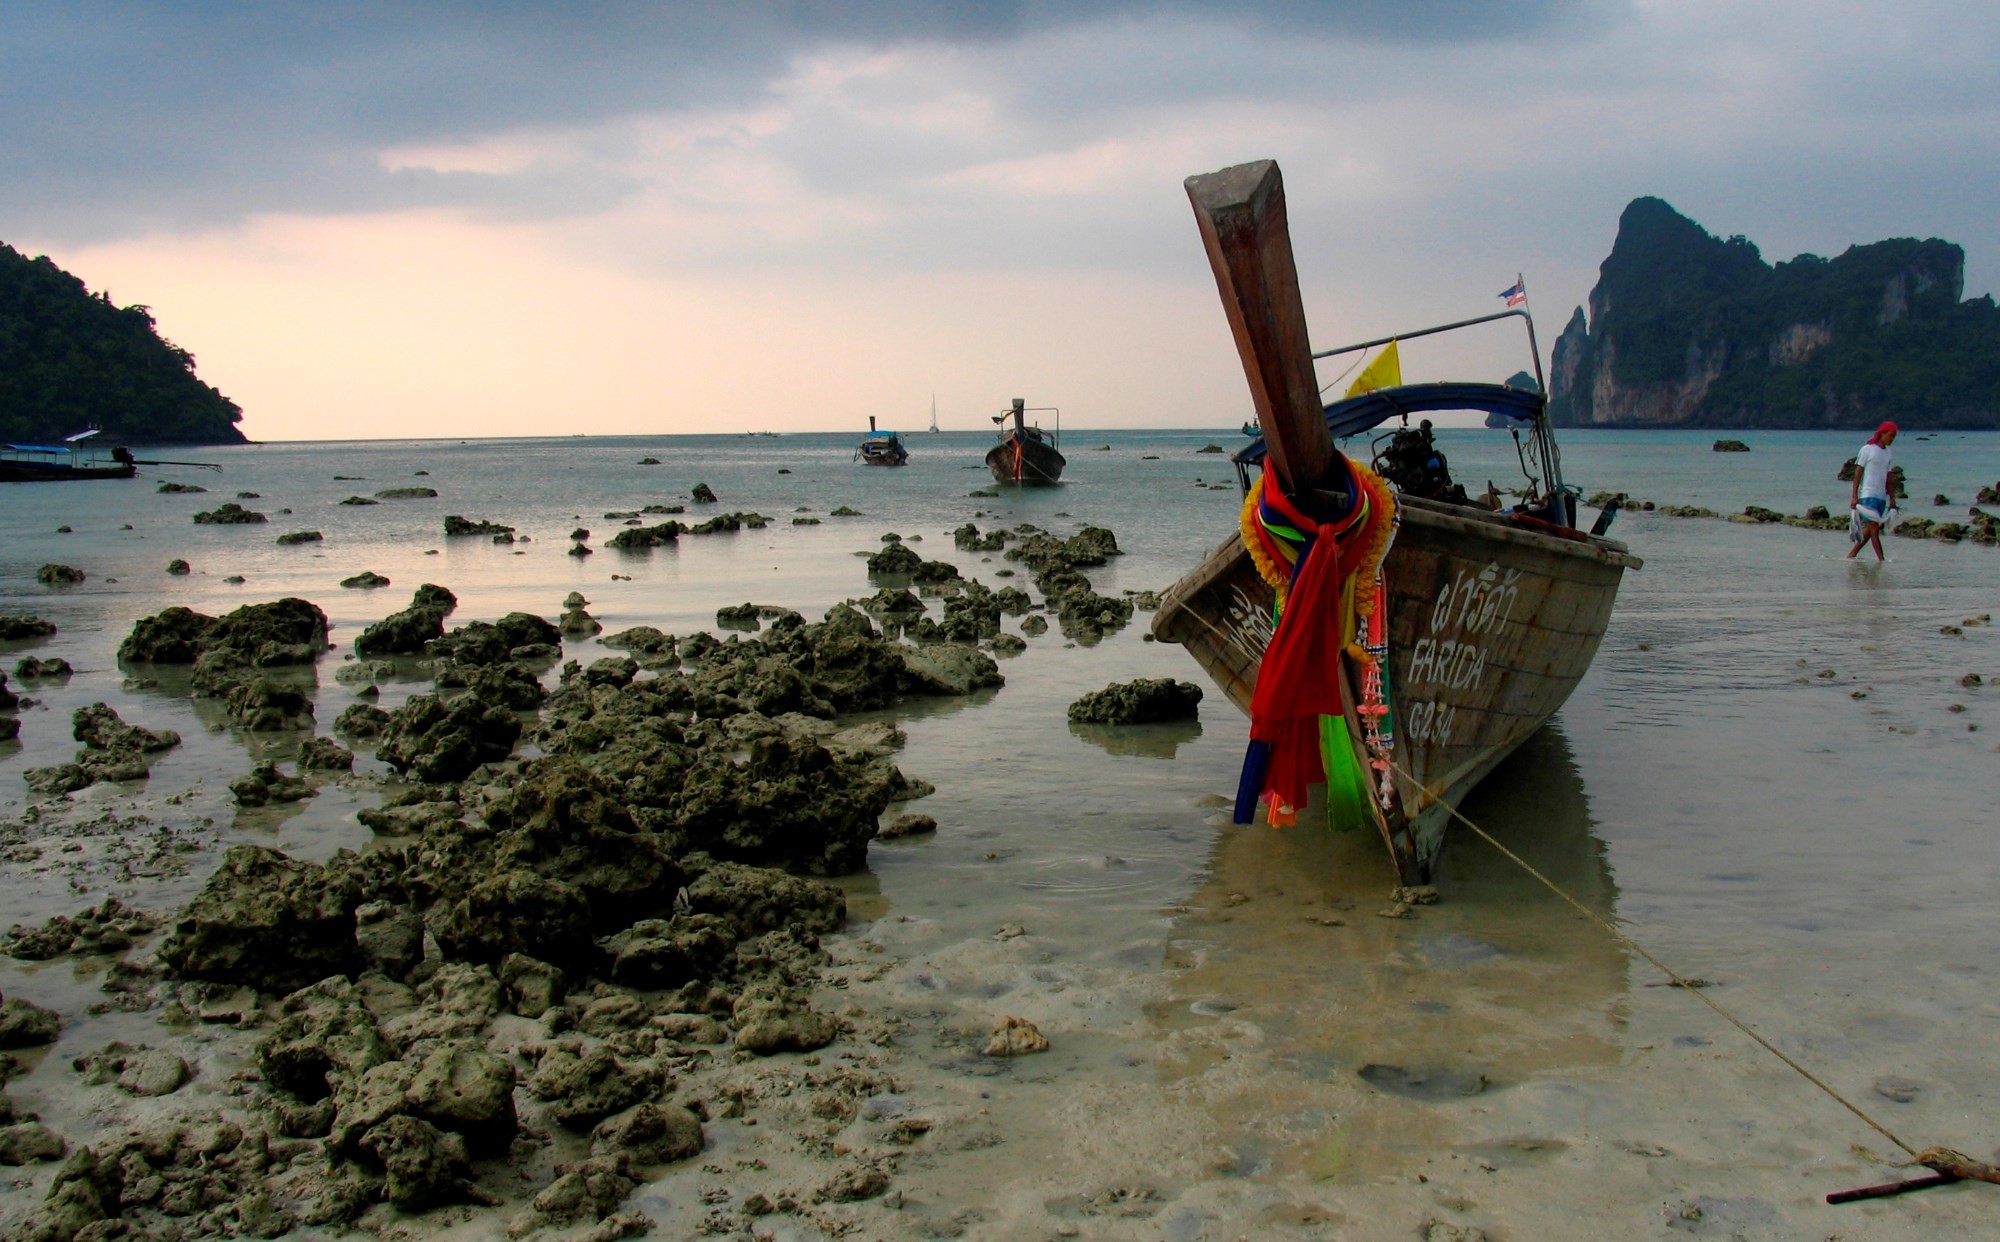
70	359
1690	330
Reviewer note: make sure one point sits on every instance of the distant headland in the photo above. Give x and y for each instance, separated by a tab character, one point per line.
69	360
1689	330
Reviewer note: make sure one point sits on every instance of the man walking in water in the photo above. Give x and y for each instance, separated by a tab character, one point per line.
1869	497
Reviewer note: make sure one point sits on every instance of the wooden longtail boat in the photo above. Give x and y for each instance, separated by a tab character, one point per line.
72	459
1493	616
1025	455
881	448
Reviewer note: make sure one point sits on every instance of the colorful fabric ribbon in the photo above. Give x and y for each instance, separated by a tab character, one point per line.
1327	575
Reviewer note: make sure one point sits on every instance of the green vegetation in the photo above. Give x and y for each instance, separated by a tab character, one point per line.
1879	332
69	359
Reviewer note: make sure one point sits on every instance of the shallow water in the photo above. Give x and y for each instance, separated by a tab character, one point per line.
1234	1024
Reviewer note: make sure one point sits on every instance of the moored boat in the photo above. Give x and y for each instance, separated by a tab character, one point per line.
881	448
1025	455
1482	620
54	463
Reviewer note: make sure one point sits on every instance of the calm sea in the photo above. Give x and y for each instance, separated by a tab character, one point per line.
1772	775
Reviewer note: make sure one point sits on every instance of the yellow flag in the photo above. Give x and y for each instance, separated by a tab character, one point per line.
1385	372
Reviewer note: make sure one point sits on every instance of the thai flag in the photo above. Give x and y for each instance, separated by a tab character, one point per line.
1518	294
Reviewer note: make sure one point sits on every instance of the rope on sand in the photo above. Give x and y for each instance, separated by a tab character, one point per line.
1948	1164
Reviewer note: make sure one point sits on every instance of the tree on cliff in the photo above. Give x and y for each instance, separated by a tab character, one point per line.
69	359
1687	329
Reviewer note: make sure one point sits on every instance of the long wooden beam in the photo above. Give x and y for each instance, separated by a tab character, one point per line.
1241	211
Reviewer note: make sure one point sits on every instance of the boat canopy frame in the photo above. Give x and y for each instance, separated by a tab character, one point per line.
1350	416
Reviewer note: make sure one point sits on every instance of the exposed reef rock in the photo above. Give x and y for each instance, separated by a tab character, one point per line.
229	514
266	785
283	632
411	630
268	921
455	525
432	740
634	538
895	559
107	927
516	636
58	575
18	627
1148	700
639	879
112	751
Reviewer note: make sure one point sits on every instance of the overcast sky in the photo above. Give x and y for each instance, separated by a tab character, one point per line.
452	219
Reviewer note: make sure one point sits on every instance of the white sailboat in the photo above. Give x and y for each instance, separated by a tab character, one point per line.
934	426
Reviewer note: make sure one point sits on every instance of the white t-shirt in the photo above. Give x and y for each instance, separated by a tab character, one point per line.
1873	463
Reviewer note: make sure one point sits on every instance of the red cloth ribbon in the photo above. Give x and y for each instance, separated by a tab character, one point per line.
1299	680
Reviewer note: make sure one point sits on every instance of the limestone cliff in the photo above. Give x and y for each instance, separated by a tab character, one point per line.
1689	330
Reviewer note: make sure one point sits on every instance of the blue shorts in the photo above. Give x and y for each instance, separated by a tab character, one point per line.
1873	508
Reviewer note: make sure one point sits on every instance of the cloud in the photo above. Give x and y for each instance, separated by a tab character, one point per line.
126	117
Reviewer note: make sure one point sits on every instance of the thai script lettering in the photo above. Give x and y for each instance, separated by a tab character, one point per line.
1451	659
1249	623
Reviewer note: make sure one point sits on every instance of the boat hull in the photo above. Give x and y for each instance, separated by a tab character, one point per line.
1491	625
35	472
1026	461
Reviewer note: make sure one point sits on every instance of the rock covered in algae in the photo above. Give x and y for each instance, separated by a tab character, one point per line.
895	559
18	627
263	919
412	629
58	575
112	751
455	526
281	632
1149	700
24	1024
229	514
433	740
199	1175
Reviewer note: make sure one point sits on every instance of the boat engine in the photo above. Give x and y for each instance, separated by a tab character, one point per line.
1414	463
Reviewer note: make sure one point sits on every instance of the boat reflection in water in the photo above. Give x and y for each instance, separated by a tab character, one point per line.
1330	1042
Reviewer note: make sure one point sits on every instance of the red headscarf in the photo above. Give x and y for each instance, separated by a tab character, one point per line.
1886	429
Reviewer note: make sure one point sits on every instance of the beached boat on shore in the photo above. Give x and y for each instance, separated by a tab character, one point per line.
1491	616
1025	455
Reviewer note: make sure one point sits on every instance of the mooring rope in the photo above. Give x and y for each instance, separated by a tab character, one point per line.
1678	980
